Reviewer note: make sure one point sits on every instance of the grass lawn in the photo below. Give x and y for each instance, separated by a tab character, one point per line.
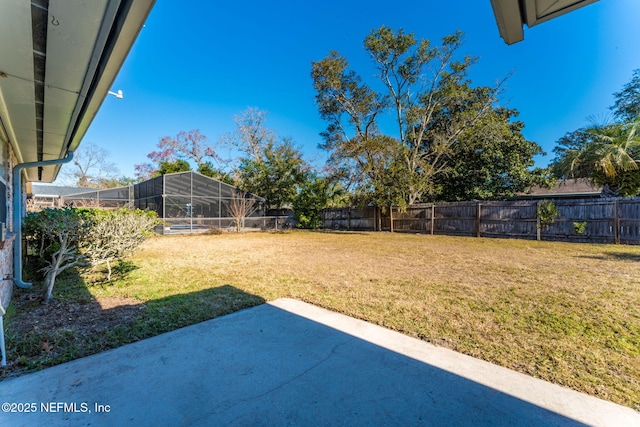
567	313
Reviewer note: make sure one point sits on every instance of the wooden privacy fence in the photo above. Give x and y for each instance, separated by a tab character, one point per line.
615	220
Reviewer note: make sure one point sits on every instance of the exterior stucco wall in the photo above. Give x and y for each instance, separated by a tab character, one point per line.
7	161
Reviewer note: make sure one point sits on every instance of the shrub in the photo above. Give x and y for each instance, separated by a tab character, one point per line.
113	235
580	227
213	230
547	213
63	238
55	235
316	194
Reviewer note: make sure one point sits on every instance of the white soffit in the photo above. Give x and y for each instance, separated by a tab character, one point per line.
512	15
72	33
58	59
17	108
539	11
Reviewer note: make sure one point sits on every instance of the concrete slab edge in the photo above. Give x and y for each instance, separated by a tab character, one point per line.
567	402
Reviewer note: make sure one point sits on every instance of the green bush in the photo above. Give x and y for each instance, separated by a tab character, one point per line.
114	234
55	236
547	213
63	238
316	194
580	227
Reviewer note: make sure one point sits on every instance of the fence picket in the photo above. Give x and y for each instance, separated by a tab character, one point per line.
613	220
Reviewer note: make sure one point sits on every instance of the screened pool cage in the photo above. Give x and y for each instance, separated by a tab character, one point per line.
186	202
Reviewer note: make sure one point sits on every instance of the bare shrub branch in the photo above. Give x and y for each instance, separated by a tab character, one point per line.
241	206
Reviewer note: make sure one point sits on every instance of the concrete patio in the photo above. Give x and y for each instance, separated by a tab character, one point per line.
291	363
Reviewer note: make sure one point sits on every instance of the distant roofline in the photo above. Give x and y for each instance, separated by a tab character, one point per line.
44	190
569	188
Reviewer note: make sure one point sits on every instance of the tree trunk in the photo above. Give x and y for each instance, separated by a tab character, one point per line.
49	280
108	271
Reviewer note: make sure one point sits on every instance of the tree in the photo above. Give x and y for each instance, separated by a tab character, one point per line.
185	147
275	176
251	135
609	158
491	160
571	141
190	145
90	166
173	167
56	235
607	154
207	169
269	166
316	194
144	171
626	108
241	206
426	92
122	181
384	179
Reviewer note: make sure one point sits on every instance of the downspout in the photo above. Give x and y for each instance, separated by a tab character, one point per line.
17	228
17	214
3	362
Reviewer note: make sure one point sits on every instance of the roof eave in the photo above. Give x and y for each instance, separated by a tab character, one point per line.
512	15
509	19
59	60
127	23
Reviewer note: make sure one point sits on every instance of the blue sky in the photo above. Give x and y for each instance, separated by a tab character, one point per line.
196	64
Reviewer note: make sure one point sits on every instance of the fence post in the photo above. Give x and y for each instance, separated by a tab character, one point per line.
478	213
538	225
433	217
391	218
616	221
375	221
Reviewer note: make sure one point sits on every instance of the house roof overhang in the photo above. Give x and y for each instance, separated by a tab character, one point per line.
58	60
565	189
512	15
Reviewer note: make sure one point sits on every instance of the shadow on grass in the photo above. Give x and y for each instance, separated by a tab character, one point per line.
622	256
613	256
288	365
75	324
329	231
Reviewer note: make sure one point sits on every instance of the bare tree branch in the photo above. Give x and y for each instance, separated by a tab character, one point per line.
241	206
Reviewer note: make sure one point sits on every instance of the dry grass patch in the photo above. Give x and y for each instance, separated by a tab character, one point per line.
567	313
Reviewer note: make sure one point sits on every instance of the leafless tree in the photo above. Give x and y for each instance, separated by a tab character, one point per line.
241	206
251	135
90	166
191	145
